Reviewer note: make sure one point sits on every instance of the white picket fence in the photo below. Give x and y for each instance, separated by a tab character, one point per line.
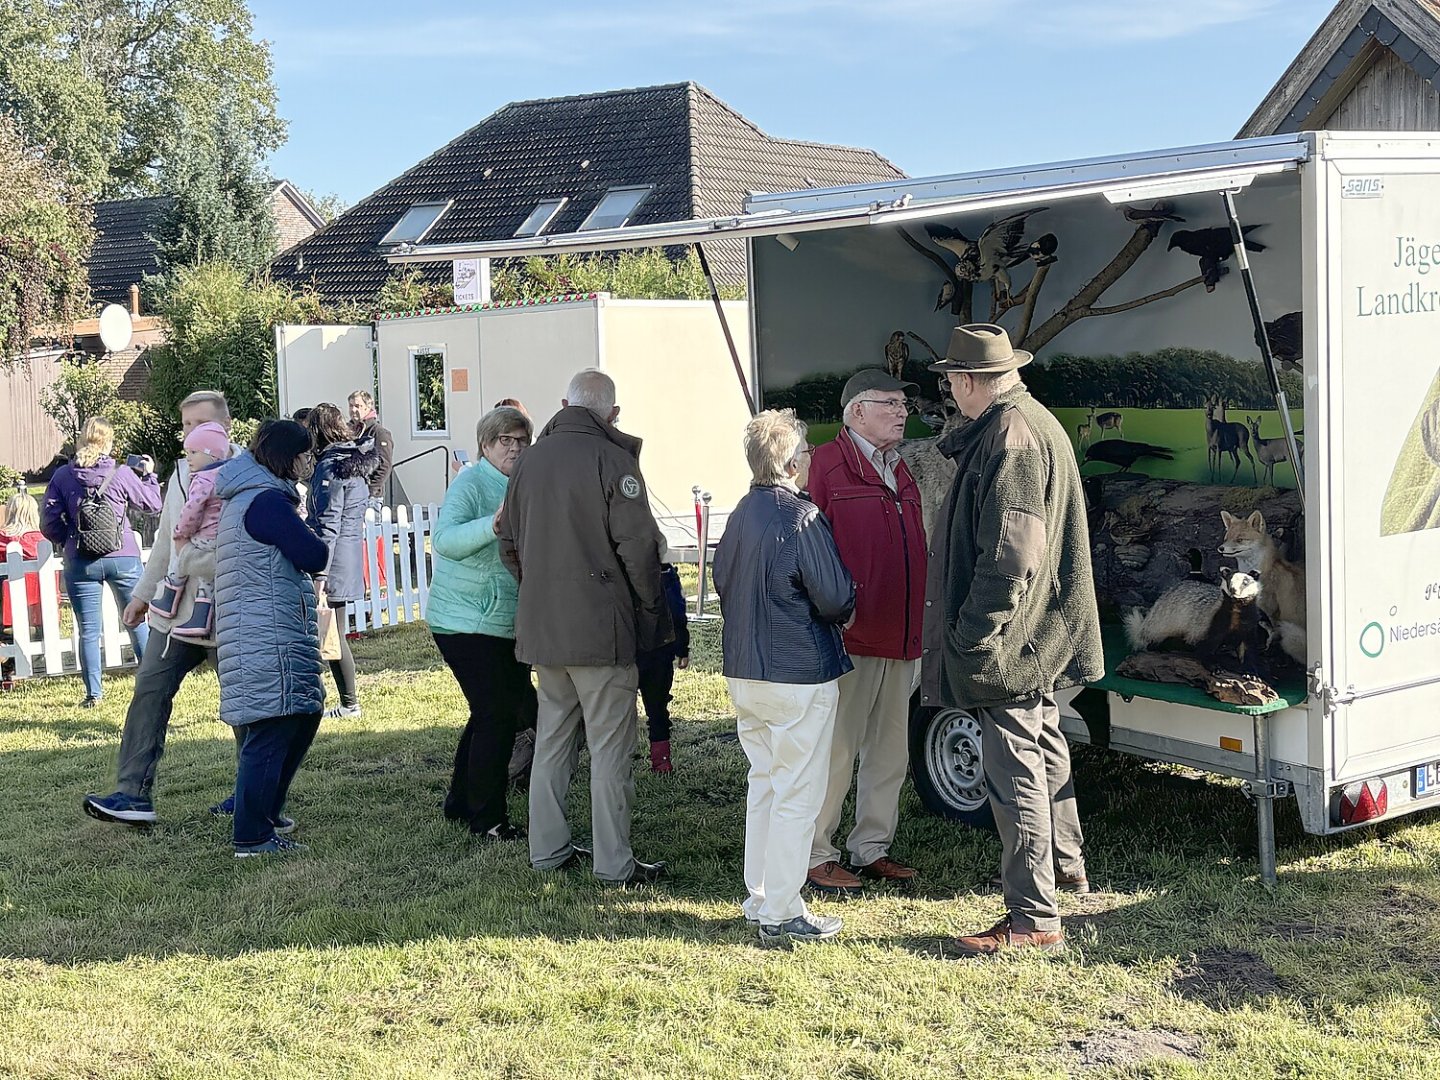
46	649
402	540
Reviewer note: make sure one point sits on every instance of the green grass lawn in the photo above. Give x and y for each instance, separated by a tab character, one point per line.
398	947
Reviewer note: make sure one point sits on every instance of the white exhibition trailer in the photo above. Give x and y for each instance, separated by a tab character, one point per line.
439	370
1350	225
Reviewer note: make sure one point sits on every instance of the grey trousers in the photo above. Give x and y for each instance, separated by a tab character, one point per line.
603	699
142	742
1027	772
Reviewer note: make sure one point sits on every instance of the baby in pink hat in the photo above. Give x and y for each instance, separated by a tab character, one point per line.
207	447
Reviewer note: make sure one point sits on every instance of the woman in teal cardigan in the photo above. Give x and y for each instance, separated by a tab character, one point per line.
471	612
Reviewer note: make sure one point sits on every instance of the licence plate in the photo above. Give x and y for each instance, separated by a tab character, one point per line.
1427	780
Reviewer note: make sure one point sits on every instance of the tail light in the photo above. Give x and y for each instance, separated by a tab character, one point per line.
1362	801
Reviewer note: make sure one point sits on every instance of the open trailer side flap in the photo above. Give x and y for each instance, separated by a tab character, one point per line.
1123	179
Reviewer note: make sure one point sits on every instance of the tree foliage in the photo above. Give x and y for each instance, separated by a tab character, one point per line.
221	338
222	209
45	237
644	274
1171	378
105	84
83	391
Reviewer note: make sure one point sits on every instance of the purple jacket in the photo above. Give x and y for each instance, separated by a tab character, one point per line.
69	485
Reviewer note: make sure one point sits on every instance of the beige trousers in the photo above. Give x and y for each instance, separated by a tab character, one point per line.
873	723
603	699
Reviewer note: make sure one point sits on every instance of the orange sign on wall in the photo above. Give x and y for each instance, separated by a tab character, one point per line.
459	380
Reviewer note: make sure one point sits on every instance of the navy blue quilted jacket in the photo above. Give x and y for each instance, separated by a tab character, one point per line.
783	591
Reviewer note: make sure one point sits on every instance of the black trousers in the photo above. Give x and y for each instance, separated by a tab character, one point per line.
270	755
344	668
502	701
657	676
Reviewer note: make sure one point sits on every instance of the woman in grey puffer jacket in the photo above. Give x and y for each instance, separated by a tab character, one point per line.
335	508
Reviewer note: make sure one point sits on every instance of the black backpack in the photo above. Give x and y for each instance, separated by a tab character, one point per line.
99	530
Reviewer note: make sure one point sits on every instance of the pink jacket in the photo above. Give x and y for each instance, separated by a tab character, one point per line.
200	517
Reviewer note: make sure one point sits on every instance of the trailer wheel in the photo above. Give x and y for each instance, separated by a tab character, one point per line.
945	764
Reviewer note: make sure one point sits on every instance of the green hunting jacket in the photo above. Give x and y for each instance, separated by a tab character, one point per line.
1010	597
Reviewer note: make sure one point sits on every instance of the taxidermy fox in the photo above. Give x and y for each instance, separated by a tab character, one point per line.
1249	543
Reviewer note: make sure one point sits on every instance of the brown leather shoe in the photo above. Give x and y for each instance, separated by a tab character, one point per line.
1063	883
1003	936
831	877
887	869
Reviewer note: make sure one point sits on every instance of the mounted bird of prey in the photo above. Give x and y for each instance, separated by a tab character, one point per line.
1286	339
897	353
1212	247
1161	211
1125	454
1042	251
947	294
1001	246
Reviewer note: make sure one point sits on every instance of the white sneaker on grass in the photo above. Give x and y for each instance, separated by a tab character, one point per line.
343	712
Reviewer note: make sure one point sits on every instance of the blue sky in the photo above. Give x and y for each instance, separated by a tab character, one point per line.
370	88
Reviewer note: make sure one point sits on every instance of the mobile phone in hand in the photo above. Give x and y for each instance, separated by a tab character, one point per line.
133	460
462	457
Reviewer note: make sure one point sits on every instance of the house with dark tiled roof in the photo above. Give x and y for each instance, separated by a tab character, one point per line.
125	231
624	157
1373	65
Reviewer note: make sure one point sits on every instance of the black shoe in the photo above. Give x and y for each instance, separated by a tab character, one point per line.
577	856
643	874
503	831
90	703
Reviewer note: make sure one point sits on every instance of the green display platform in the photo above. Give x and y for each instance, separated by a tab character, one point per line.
1291	690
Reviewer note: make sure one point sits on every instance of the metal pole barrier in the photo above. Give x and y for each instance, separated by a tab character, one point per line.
704	554
1265	791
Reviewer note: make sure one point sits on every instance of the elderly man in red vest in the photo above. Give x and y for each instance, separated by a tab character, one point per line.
867	492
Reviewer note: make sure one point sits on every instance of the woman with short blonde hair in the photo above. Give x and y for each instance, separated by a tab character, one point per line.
87	510
785	595
21	525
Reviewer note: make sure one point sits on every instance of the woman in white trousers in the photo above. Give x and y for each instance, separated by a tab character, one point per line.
785	596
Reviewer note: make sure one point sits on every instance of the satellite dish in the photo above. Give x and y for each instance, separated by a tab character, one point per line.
115	332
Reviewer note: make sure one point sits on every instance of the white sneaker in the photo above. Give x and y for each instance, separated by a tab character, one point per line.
342	712
801	928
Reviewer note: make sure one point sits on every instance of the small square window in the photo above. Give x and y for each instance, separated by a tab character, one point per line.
540	217
416	222
616	208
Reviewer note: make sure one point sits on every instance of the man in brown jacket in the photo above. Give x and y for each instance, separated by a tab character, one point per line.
1010	619
577	533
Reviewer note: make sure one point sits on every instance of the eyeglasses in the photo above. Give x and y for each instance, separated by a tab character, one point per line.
806	451
513	442
892	406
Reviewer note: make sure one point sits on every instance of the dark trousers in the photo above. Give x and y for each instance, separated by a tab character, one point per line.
657	676
344	669
269	757
162	670
502	700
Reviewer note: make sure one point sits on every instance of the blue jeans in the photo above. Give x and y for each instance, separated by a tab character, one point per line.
270	754
84	581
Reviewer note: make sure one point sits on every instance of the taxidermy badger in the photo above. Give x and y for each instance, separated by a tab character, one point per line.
1216	621
1249	543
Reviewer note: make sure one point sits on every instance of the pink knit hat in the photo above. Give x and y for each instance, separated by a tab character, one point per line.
211	438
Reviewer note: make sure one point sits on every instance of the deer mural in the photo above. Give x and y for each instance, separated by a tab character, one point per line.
1082	432
1269	452
1110	421
1223	437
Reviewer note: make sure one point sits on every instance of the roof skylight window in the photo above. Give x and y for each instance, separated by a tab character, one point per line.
416	222
540	217
616	208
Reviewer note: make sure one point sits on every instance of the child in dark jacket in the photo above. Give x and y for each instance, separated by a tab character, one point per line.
657	672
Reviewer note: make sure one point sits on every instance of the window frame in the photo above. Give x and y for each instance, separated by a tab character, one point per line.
415	352
646	190
559	204
445	207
